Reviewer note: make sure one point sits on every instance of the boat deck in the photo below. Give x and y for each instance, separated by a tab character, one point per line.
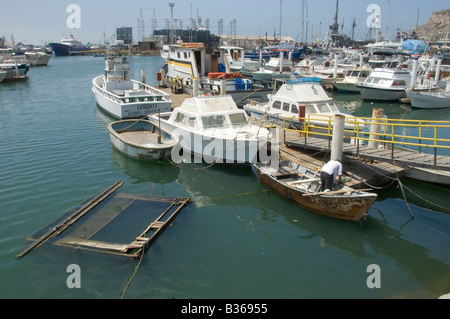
140	137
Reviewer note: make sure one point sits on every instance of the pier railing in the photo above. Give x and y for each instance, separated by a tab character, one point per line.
416	135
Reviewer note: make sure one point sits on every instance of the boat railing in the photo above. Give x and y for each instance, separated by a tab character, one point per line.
155	95
417	135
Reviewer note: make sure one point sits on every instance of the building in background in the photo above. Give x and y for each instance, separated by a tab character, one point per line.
125	34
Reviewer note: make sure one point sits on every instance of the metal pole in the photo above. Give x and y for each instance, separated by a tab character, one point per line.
338	136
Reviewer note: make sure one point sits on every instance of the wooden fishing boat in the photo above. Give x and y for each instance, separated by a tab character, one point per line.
140	139
302	185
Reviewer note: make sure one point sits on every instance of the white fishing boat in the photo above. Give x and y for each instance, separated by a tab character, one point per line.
276	68
37	58
353	77
190	68
297	100
237	60
123	97
214	129
430	99
386	84
15	69
140	139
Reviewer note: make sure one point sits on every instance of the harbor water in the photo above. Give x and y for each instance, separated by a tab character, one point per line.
236	239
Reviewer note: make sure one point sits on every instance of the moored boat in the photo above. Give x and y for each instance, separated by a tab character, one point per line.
68	46
299	100
302	185
431	99
140	139
353	77
275	68
122	97
15	69
386	84
2	75
214	129
37	58
189	67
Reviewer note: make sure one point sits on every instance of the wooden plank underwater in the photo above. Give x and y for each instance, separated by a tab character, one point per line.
114	227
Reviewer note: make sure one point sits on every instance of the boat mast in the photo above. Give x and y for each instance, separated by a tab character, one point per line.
171	5
281	1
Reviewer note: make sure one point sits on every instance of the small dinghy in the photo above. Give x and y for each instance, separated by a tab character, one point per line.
140	139
302	185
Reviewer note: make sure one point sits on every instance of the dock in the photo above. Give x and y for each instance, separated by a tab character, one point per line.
364	166
399	156
177	99
360	173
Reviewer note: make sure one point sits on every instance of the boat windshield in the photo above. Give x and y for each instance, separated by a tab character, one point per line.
238	119
213	121
327	107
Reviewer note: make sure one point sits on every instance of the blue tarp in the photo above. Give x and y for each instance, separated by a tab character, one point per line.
415	46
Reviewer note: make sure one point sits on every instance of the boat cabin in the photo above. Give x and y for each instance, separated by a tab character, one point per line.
388	78
209	112
293	99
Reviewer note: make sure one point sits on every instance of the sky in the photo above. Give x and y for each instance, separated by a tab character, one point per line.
40	21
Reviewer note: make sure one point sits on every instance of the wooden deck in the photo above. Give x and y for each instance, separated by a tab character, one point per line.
398	156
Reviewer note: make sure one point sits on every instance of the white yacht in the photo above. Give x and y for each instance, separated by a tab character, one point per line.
353	77
213	128
298	99
124	98
386	84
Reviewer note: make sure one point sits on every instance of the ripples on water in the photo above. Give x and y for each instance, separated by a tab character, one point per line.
236	240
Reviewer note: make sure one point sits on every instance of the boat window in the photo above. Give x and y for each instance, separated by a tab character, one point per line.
238	118
286	69
185	55
399	83
349	73
179	118
192	121
333	108
213	121
276	105
286	107
178	55
365	74
309	109
323	108
294	109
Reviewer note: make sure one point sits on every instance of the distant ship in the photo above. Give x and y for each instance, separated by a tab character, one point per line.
68	47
